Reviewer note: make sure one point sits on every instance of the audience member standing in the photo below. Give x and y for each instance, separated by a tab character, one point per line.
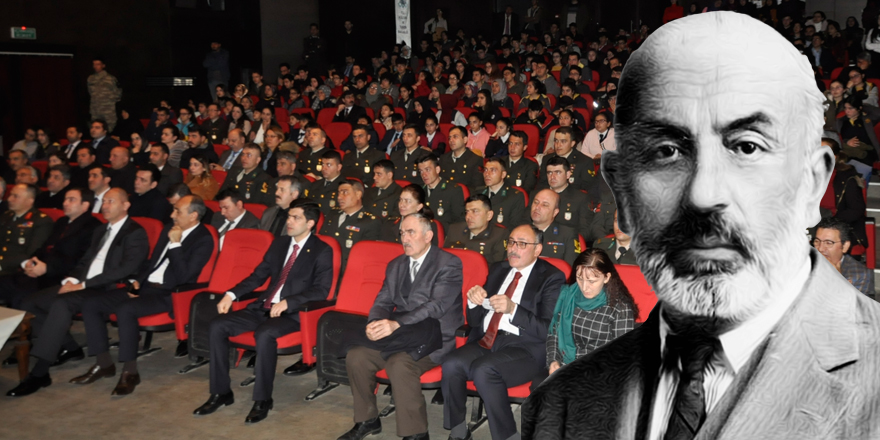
217	63
105	93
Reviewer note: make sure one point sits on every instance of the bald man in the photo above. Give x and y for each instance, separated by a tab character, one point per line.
717	177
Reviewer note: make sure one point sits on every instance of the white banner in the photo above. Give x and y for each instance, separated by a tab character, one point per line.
404	29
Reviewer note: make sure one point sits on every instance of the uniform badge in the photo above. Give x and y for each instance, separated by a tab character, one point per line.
440	211
318	167
214	137
349	243
21	240
247	195
500	218
384	213
332	203
265	188
571	179
361	215
577	246
568	216
307	193
518	182
415	173
367	169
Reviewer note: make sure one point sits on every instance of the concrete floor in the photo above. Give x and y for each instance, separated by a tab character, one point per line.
162	405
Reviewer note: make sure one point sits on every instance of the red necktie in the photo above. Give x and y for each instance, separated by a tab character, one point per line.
492	331
267	304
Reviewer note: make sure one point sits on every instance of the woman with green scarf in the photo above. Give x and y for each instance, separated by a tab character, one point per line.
593	309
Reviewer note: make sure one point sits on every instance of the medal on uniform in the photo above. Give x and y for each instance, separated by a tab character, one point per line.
571	179
332	203
500	216
20	240
384	213
349	243
367	169
415	173
214	137
568	215
518	182
318	167
247	195
440	211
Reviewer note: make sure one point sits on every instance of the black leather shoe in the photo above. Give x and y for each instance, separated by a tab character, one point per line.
11	360
29	385
259	411
126	384
182	350
94	373
214	402
422	436
66	356
298	369
466	437
363	429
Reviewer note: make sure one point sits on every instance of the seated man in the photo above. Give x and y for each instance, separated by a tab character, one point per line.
460	164
478	233
99	184
618	247
183	250
506	345
521	172
249	180
575	208
117	252
360	161
381	199
23	229
274	219
231	158
198	144
300	267
347	111
232	215
308	162
85	160
171	175
102	144
57	183
350	224
147	201
560	241
323	191
833	240
509	204
423	284
122	169
27	175
405	158
446	199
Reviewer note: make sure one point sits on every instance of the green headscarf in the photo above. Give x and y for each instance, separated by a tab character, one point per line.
570	298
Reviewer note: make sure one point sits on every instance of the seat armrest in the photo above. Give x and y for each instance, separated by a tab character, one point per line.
193	286
463	331
315	305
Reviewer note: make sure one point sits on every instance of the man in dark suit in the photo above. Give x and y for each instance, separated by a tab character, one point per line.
382	198
171	175
820	56
57	183
122	170
146	200
274	219
507	23
231	158
393	139
755	334
508	318
521	172
181	253
300	267
198	145
102	143
84	157
232	215
347	111
422	284
619	247
116	254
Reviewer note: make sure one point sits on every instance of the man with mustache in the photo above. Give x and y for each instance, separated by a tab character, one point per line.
755	335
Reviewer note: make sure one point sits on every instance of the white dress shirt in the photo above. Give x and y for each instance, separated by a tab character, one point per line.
420	260
737	347
97	266
301	244
504	323
158	275
99	202
231	227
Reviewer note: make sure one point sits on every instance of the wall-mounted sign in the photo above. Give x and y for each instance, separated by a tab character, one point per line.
23	33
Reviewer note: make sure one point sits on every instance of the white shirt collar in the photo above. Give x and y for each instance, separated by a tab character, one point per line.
186	232
238	219
421	259
505	137
115	227
301	243
526	271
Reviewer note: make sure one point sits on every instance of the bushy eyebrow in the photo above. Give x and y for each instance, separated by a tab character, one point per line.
755	122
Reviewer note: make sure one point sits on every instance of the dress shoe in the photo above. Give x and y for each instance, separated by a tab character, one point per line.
259	411
214	402
127	382
94	373
68	355
466	437
11	360
182	350
363	429
30	385
298	369
422	436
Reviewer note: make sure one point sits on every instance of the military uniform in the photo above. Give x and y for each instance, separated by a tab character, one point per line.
446	200
215	131
324	194
21	237
524	174
383	205
465	169
406	169
583	173
603	215
561	242
509	206
491	243
357	227
309	161
254	187
105	93
390	231
609	245
575	210
360	165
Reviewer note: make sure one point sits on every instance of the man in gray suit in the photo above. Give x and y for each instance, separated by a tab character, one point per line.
424	283
232	215
755	335
274	219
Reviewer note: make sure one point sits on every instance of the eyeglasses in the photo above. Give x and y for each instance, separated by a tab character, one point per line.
826	243
521	245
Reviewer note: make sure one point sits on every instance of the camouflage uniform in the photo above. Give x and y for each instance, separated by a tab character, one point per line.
105	93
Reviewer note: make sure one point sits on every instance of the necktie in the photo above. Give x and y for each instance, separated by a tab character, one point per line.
689	408
346	112
506	25
95	207
267	304
224	229
104	238
601	137
414	271
405	157
230	160
622	251
240	176
492	331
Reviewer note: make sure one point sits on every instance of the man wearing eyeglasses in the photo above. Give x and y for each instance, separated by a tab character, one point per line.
833	240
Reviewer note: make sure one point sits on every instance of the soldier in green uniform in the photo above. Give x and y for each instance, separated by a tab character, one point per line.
508	204
617	247
381	199
249	180
560	241
404	159
445	199
478	233
583	171
323	191
575	208
603	214
460	164
350	223
105	93
360	163
24	228
308	161
412	200
521	172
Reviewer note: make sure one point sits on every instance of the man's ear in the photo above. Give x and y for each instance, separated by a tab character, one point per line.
820	165
612	170
846	245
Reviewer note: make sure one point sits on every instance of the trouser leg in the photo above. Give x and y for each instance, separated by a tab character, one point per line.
222	327
456	370
404	374
267	347
362	364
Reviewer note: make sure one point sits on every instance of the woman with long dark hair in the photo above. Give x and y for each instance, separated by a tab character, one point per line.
486	106
412	200
238	119
593	309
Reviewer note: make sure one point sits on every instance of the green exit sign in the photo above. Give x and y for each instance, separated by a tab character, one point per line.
23	33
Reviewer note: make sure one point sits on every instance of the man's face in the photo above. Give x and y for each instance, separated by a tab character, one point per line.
297	224
98	66
158	156
544	207
430	173
285	167
410	139
477	77
213	111
97	131
229	210
817	41
382	177
24	175
563	144
30	135
257	78
493	174
348	100
331	168
316	139
283	195
73	205
414	237
313	31
522	258
161	118
19	200
118	158
477	216
181	215
97	181
348	198
16	160
84	157
143	182
557	177
856	78
540	70
828	243
73	135
361	139
113	207
195	139
619	235
236	140
863	64
250	158
284	70
56	181
515	147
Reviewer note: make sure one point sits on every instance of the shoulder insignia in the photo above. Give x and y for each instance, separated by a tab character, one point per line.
361	215
306	193
577	246
28	215
599	241
443	185
42	214
265	189
555	230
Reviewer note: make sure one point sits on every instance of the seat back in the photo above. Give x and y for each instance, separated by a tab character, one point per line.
213	205
337	261
337	132
403	183
53	213
380	130
364	275
532	132
256	209
639	288
219	176
208	270
243	250
464	191
281	116
525	195
441	233
475	270
560	264
153	228
220	148
325	117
